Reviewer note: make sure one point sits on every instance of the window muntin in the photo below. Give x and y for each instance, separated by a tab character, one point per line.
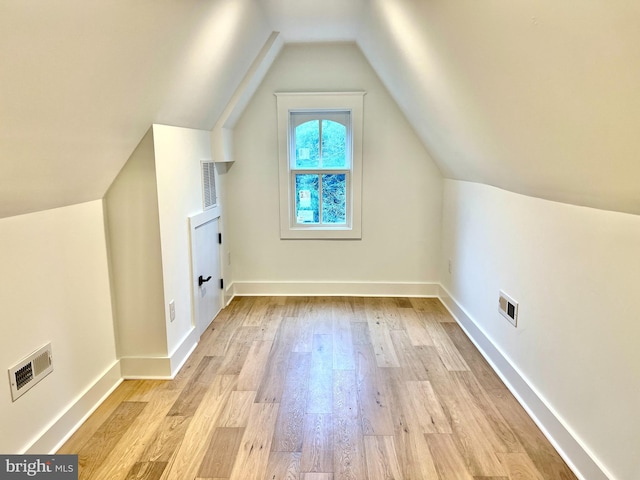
320	142
320	152
310	188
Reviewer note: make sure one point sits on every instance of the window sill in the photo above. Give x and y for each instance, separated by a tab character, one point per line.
321	233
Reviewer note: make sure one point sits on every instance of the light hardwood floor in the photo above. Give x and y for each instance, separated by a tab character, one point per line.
325	388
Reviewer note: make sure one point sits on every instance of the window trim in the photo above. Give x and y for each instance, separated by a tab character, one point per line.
288	102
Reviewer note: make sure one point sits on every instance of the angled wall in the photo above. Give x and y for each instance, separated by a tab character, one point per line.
54	287
148	208
575	272
178	153
133	225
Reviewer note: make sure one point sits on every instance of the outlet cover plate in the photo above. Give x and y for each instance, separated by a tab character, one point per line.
172	310
508	308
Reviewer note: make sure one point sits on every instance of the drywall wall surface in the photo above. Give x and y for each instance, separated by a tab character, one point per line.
88	79
54	287
533	97
131	206
401	204
178	153
575	272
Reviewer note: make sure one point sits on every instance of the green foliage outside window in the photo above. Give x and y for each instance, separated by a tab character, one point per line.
308	151
334	198
321	145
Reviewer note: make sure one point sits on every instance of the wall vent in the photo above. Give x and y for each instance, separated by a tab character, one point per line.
508	308
208	185
30	371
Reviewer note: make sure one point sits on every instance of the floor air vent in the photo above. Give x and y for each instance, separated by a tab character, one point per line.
30	371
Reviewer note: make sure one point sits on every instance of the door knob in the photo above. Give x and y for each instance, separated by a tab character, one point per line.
202	280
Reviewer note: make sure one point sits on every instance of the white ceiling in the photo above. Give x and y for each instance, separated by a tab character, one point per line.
315	21
538	97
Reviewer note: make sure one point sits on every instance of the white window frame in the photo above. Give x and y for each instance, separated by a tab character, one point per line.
352	102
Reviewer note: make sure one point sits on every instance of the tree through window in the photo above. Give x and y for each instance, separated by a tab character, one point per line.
320	158
320	167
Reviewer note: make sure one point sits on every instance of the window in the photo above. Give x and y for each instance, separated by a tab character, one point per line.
320	148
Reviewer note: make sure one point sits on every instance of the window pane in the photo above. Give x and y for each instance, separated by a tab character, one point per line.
307	143
334	142
307	210
334	199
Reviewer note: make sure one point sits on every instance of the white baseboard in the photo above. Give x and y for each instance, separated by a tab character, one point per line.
229	295
160	368
181	354
59	431
568	446
344	289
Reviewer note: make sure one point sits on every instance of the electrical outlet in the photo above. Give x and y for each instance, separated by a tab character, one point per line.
508	308
172	310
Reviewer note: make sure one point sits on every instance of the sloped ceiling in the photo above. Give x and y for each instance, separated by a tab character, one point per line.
315	21
537	97
81	82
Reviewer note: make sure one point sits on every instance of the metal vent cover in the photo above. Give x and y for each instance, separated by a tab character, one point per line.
209	198
25	374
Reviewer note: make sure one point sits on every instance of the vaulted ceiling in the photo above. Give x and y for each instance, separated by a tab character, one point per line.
538	97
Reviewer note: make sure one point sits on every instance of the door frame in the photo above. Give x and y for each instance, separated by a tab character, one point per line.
196	221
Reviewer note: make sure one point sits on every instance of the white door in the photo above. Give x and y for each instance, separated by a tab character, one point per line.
206	273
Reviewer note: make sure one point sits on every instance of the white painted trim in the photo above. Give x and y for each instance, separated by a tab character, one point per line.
583	463
229	294
222	133
182	352
160	368
578	457
61	429
355	289
288	102
203	217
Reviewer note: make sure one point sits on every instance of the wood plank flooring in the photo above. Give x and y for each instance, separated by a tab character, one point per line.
328	388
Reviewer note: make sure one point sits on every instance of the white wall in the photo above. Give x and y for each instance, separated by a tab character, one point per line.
399	179
131	206
54	287
576	273
148	209
178	152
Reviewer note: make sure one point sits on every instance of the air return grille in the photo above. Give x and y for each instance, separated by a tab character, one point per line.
208	185
30	371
